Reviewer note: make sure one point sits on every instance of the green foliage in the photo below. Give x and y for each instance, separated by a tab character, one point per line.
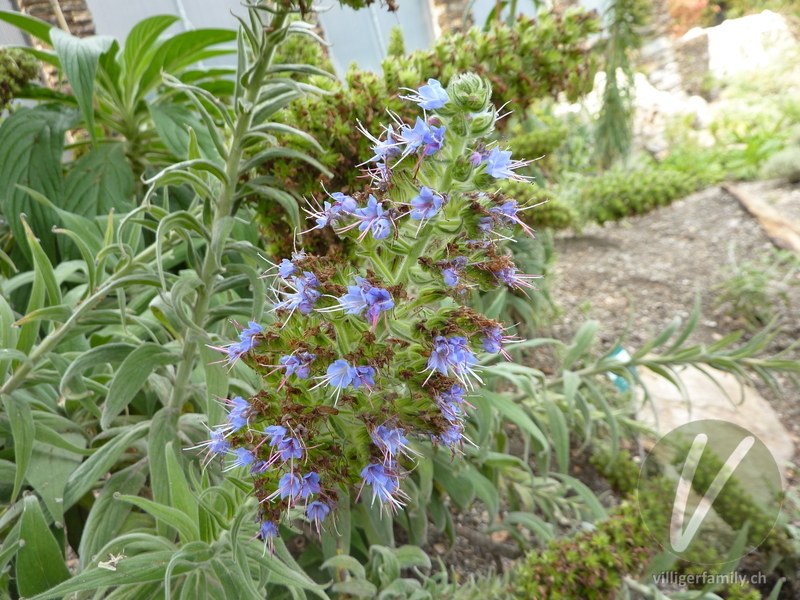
101	369
614	123
753	285
591	565
553	47
620	192
553	214
17	68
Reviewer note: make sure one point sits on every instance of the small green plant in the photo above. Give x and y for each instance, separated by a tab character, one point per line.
749	293
784	164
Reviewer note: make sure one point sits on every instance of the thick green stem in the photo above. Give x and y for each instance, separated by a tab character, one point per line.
212	263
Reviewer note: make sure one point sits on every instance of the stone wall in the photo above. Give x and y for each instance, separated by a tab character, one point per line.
450	15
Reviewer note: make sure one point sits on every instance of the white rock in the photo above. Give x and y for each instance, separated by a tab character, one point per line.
698	106
746	44
707	401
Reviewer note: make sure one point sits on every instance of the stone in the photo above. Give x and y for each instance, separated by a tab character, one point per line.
741	405
736	46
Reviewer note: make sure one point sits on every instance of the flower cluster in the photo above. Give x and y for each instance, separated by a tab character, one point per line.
366	365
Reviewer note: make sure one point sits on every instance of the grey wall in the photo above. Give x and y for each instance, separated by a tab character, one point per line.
363	36
10	36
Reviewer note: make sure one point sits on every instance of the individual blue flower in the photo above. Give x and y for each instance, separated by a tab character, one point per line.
378	301
372	218
512	279
276	432
247	342
387	148
267	531
243	458
342	206
290	448
299	364
390	440
426	204
431	96
236	416
218	444
317	511
365	296
309	485
500	166
414	137
439	358
383	484
305	295
451	273
289	486
452	436
492	339
508	215
434	140
452	354
286	268
363	376
340	374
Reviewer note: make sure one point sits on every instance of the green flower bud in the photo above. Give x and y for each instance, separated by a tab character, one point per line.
482	124
470	93
462	169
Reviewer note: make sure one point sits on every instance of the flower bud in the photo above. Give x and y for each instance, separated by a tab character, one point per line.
470	92
482	124
462	169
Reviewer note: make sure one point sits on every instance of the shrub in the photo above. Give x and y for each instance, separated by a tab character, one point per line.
619	193
783	165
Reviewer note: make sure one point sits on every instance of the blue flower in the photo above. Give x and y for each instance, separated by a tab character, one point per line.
500	166
390	441
339	374
512	279
373	219
429	138
276	432
309	485
452	436
493	339
268	531
289	448
305	296
243	458
387	148
218	444
426	204
342	205
289	486
383	484
299	365
366	296
452	270
317	511
286	268
431	96
362	376
236	416
453	354
434	140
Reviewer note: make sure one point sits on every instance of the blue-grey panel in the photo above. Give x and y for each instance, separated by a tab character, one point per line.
10	35
363	36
